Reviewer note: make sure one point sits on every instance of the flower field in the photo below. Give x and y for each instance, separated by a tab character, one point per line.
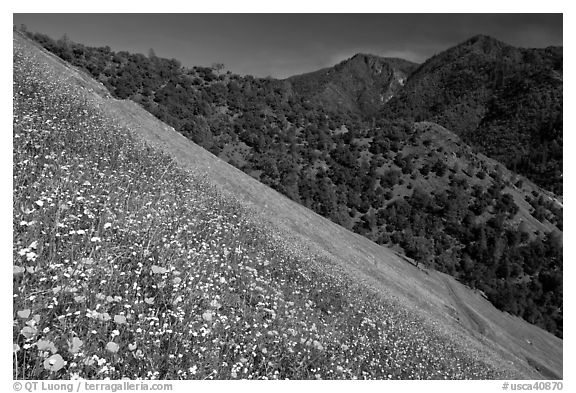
126	266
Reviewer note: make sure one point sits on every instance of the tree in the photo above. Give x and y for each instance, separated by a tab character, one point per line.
64	40
390	178
425	170
65	48
218	67
439	167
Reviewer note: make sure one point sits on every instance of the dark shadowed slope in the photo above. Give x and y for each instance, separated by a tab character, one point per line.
506	101
442	304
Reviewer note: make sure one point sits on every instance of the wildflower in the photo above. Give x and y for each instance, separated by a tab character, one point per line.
29	331
132	347
54	363
45	345
79	299
39	203
75	344
105	317
16	270
88	361
112	347
119	319
107	225
215	304
207	316
158	269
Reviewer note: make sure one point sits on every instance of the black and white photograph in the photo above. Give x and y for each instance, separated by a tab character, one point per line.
287	196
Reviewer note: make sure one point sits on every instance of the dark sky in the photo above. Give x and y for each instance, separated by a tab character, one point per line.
281	45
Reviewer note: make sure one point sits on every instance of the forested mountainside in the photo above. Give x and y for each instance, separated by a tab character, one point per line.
361	84
505	101
412	185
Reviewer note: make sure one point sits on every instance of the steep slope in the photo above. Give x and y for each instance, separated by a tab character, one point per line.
127	266
448	310
392	182
361	84
504	100
432	143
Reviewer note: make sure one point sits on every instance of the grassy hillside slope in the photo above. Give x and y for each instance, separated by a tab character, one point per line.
393	182
167	277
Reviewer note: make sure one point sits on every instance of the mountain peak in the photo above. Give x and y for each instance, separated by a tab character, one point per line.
363	58
361	55
481	38
394	62
484	43
361	83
